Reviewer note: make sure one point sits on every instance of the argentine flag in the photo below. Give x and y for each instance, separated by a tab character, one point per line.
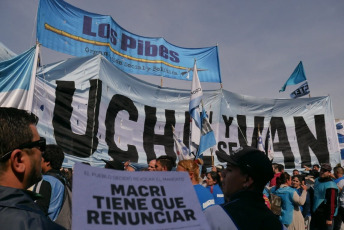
195	119
17	76
207	135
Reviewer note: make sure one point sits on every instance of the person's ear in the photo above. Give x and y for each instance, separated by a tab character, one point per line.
248	182
17	161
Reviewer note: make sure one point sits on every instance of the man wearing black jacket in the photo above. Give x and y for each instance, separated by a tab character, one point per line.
21	150
248	171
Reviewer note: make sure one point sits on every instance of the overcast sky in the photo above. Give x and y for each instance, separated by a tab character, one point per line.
260	42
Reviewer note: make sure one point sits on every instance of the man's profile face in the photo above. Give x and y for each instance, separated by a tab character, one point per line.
151	165
210	180
233	180
34	172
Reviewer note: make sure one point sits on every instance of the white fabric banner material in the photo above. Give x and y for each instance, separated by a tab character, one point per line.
95	111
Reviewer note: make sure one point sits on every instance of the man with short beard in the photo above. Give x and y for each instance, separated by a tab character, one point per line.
21	150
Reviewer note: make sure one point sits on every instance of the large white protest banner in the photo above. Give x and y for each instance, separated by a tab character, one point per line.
110	199
95	111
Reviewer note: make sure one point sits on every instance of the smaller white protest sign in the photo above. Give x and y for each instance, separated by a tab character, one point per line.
111	199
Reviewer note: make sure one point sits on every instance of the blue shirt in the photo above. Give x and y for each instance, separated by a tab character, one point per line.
56	198
205	198
217	193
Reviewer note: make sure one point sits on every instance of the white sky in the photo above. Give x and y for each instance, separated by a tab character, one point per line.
260	42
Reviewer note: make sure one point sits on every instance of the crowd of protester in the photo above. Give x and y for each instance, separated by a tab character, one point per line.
233	197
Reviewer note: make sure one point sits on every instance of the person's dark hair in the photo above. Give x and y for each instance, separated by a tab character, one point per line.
167	161
216	177
338	169
280	167
282	179
54	155
316	165
300	177
15	128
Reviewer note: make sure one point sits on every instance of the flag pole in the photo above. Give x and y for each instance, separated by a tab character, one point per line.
29	101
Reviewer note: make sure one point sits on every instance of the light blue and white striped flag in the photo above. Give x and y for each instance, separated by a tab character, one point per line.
195	119
207	135
17	78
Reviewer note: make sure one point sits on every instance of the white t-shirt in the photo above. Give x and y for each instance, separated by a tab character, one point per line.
340	185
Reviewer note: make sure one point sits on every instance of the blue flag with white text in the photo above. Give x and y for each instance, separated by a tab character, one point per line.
296	77
68	29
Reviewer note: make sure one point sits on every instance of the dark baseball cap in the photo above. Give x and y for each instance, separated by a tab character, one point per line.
252	161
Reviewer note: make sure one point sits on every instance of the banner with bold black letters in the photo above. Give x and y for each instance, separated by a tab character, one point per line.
132	200
95	111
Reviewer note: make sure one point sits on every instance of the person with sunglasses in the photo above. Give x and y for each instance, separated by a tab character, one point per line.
21	150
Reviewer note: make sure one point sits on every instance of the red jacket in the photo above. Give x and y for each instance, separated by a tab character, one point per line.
273	180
